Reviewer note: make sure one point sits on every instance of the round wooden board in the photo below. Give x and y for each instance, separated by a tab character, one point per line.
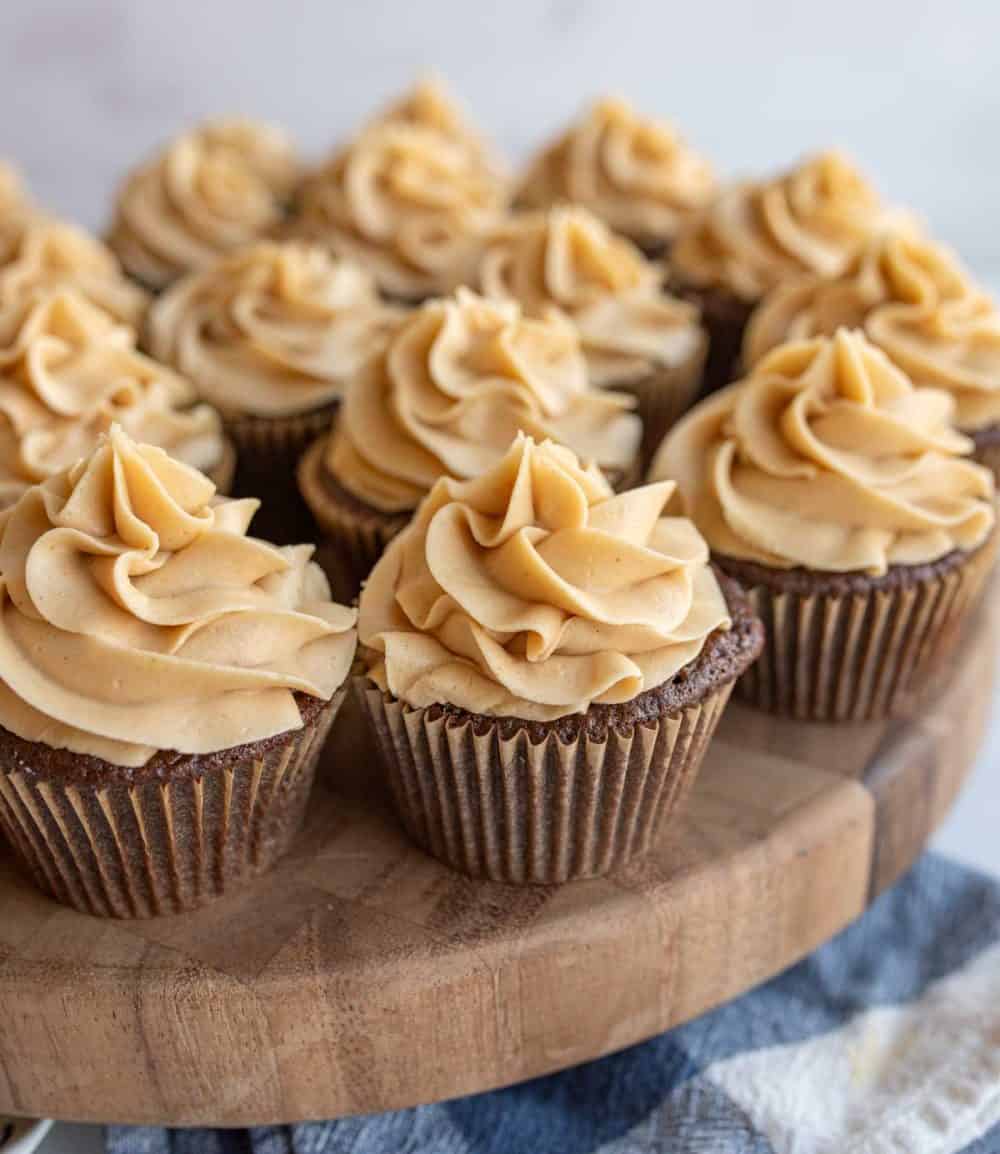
363	976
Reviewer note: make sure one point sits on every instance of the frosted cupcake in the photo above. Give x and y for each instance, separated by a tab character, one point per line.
212	190
837	493
755	235
446	397
269	336
538	718
634	172
914	300
633	335
68	373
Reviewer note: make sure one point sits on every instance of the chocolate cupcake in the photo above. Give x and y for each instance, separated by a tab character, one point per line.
166	684
634	172
68	373
837	492
408	202
537	719
446	397
42	254
633	335
916	302
269	336
210	191
756	235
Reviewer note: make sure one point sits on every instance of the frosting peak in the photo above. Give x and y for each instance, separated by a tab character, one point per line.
810	219
274	329
212	190
915	301
453	387
826	456
136	615
534	591
634	173
570	260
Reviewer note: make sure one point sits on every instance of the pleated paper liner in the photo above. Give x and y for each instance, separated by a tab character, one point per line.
162	846
519	811
858	656
663	397
725	316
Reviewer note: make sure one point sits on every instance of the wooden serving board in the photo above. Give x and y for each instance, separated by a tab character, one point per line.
363	976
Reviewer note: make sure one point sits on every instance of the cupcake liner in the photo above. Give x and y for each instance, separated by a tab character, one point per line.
162	846
859	656
663	397
519	811
988	454
725	316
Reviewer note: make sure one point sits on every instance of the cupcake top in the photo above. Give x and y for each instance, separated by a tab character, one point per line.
46	254
67	373
811	219
633	172
408	202
827	457
453	387
136	615
533	591
914	300
273	330
212	190
569	259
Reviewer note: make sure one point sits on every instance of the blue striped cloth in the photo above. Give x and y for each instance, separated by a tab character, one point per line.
885	1041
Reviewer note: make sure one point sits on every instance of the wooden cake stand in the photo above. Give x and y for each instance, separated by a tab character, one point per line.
363	976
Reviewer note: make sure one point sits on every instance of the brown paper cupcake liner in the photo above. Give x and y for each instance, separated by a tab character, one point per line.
858	655
663	397
725	317
515	810
154	847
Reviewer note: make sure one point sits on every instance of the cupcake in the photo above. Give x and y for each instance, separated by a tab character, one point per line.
538	719
633	335
633	172
446	397
68	373
756	235
836	492
44	254
269	335
917	303
215	189
166	684
408	202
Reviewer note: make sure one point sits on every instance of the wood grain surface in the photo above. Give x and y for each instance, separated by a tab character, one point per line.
363	976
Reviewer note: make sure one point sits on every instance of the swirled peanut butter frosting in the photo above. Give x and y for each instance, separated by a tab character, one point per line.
15	205
755	234
272	330
408	203
212	190
67	373
136	615
914	300
533	591
452	389
47	254
633	172
569	259
826	456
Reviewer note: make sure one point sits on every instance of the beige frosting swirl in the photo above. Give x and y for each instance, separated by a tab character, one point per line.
533	591
407	202
827	457
274	329
452	389
47	254
811	219
570	260
915	301
15	206
635	173
67	373
136	615
210	191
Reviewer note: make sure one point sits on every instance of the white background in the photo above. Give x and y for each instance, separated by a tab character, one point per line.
910	89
